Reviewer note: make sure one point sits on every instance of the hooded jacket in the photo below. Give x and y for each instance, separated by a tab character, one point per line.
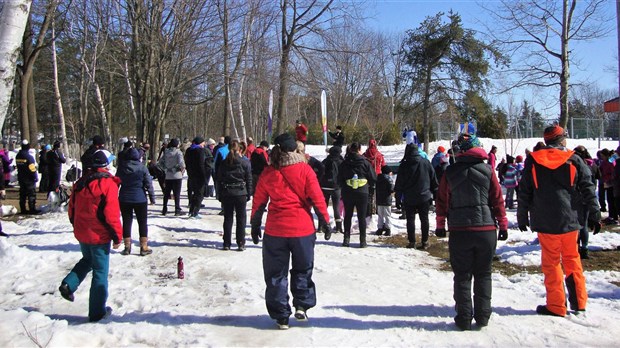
331	163
291	192
259	160
375	157
555	183
355	164
470	196
98	218
198	162
416	179
135	179
172	161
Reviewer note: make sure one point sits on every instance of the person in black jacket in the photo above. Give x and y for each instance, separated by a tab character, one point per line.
199	163
55	159
554	181
44	183
338	137
259	161
97	143
27	178
355	175
384	190
417	183
234	182
329	182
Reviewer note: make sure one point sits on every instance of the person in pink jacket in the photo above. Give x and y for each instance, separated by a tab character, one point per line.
291	189
94	212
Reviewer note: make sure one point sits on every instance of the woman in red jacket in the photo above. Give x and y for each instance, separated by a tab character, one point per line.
291	188
95	223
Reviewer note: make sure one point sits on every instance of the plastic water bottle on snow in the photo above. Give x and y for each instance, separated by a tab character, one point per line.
180	271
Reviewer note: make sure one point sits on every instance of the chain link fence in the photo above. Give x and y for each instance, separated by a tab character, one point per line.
578	128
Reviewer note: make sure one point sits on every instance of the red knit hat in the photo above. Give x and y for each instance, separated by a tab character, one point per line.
554	134
441	149
519	159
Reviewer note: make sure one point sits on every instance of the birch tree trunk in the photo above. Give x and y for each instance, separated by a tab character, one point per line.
57	98
13	18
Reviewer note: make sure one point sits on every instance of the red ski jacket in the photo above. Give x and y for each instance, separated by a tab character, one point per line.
291	192
94	210
301	133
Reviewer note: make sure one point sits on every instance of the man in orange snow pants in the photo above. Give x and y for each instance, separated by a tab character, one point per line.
554	184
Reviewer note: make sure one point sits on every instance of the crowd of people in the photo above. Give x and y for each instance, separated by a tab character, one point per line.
461	184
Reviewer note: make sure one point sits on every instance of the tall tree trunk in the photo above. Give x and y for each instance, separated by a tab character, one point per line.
228	112
283	90
427	103
13	19
565	75
23	103
57	98
240	106
32	113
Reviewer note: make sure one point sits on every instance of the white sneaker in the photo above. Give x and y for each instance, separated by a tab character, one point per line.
282	324
300	314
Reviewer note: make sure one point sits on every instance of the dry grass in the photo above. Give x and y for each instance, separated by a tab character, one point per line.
599	260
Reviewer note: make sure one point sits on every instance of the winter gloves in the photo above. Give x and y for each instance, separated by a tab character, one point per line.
502	235
440	233
256	234
326	230
594	222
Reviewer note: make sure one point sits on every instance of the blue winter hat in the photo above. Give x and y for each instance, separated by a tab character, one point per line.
468	141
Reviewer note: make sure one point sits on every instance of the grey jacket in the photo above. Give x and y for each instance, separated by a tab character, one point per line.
173	162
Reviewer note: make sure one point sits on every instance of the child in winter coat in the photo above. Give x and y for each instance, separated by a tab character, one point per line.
511	179
384	190
94	213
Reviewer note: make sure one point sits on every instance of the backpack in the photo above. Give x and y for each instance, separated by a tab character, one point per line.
73	173
330	175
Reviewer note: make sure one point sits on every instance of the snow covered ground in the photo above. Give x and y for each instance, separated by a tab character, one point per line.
378	296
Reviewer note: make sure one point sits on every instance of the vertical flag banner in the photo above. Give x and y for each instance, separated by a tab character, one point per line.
324	115
270	122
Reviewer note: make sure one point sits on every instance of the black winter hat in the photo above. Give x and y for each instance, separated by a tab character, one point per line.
198	140
335	150
286	142
98	140
133	154
264	143
174	142
99	160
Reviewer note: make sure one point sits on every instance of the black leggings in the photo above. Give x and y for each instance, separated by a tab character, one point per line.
359	201
127	210
174	186
234	205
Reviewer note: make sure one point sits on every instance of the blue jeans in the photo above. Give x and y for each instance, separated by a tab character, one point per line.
95	258
277	252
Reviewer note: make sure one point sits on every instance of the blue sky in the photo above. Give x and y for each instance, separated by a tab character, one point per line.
597	59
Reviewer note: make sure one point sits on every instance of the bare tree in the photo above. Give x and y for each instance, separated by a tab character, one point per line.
538	34
13	18
299	18
57	97
31	48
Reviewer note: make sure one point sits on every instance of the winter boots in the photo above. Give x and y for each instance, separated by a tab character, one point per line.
363	243
127	250
338	226
144	249
383	231
583	253
347	237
